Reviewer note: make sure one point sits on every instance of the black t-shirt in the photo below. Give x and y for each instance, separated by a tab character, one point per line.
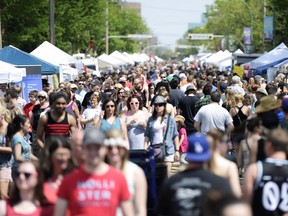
36	111
184	193
175	95
187	105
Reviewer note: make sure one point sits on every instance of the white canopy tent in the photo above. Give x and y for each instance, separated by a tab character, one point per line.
156	58
140	58
238	51
52	54
105	61
10	73
116	54
219	57
213	57
188	59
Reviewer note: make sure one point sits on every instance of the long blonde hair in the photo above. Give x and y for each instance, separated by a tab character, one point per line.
230	97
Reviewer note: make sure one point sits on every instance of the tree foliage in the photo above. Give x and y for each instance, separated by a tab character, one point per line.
229	17
26	24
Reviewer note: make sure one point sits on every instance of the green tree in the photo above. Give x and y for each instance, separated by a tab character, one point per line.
229	17
26	24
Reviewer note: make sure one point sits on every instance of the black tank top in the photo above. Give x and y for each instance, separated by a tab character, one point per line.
57	128
271	188
239	117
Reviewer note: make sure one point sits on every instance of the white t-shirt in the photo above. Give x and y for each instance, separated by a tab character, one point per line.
90	113
158	129
213	116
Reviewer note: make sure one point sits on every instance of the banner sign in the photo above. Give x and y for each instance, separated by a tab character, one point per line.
247	35
268	29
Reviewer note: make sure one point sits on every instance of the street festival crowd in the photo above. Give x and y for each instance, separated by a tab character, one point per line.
66	150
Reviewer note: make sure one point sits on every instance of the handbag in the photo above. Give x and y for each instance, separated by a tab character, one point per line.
159	148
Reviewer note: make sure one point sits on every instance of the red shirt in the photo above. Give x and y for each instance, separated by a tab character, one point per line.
89	194
28	109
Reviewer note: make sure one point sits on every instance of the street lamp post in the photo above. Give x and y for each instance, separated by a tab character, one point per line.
251	21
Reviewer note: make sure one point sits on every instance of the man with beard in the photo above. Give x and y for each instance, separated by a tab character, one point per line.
56	121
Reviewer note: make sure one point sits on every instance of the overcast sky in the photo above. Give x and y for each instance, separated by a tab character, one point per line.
168	19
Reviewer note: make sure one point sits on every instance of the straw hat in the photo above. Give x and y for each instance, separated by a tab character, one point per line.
268	103
179	118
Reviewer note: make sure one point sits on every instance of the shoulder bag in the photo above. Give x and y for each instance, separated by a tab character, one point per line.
159	148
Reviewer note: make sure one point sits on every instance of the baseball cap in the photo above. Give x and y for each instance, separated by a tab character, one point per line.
198	148
182	75
94	136
95	82
223	86
122	79
73	86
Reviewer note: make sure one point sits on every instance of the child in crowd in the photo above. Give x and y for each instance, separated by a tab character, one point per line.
182	138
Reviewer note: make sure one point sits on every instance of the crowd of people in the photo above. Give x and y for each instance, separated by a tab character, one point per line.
66	151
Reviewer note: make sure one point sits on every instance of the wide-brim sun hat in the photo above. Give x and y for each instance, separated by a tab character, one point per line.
159	99
268	103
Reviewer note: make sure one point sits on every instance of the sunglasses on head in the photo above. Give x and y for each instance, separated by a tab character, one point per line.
27	175
160	104
111	147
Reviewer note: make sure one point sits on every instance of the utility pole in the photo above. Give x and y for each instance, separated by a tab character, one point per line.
107	27
52	21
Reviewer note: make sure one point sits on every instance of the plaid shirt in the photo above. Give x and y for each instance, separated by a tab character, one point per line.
203	101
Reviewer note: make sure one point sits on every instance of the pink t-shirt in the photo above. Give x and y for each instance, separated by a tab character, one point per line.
184	145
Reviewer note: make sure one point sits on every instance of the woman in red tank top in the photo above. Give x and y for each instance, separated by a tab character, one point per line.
27	198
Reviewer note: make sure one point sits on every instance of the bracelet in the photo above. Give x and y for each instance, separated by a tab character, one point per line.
176	150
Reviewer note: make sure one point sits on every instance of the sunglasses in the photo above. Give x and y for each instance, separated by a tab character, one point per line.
80	83
160	104
41	97
27	175
136	83
107	106
112	147
136	103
